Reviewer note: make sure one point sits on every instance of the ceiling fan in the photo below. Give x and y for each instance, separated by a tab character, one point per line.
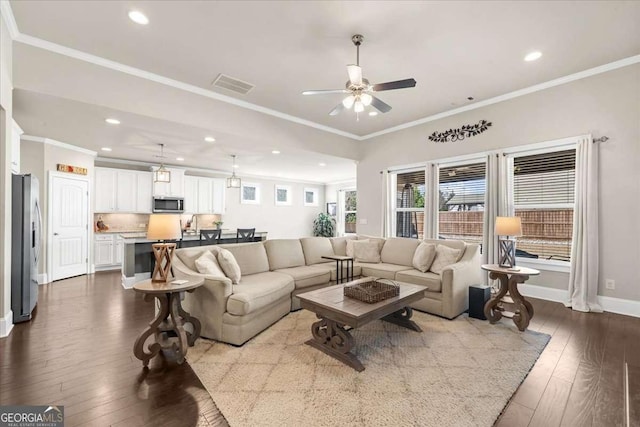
359	88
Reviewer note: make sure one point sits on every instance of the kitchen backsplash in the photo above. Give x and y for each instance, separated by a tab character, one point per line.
138	222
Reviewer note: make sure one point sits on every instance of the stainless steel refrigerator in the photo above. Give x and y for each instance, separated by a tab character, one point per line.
26	238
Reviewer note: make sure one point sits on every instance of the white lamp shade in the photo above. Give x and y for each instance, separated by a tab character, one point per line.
358	107
348	101
366	99
164	227
233	182
508	226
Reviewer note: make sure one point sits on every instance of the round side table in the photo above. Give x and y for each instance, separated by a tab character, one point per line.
167	327
509	279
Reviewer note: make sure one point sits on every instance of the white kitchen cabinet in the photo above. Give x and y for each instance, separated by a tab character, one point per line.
118	250
126	190
16	131
103	251
105	194
175	188
191	194
205	196
145	192
219	188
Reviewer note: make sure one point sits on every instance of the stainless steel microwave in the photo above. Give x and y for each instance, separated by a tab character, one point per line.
168	204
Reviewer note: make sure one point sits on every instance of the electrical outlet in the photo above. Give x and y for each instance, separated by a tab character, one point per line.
610	284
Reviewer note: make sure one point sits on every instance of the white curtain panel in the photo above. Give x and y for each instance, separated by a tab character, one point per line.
583	279
432	203
387	193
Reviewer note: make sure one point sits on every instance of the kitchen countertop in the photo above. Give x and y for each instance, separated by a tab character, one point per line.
122	231
141	237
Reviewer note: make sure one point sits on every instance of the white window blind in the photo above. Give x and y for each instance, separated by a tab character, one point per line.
409	206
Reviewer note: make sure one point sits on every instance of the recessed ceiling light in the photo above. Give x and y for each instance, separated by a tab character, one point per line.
322	164
275	152
180	159
138	17
373	113
533	56
236	166
106	149
210	139
112	121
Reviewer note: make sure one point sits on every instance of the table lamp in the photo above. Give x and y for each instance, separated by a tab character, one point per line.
163	227
508	227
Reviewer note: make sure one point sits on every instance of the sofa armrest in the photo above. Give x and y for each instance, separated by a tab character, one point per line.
456	280
208	302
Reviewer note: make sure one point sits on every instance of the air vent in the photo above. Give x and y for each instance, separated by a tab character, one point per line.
234	85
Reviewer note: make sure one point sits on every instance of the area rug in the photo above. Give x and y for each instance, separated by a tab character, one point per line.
458	372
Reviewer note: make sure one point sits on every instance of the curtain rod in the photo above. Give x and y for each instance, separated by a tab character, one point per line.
601	139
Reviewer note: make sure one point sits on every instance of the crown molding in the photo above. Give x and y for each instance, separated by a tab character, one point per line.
60	144
515	94
9	19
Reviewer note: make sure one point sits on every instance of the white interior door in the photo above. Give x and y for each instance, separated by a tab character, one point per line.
69	231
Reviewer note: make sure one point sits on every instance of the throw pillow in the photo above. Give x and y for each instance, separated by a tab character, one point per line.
229	265
350	244
208	264
366	251
445	256
424	256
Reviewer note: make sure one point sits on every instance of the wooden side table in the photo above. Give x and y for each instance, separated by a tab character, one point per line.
340	260
168	325
509	279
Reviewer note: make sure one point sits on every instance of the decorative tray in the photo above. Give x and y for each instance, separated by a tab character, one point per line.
372	290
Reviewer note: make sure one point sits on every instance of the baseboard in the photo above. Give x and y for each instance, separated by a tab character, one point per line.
42	279
128	282
6	324
610	304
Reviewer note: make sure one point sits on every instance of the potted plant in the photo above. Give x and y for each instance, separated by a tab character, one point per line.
218	224
323	225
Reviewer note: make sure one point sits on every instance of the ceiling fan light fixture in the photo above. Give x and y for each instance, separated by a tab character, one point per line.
358	107
366	99
348	101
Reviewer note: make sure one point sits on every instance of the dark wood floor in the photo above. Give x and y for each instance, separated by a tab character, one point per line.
77	352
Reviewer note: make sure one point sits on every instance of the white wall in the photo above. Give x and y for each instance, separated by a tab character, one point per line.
605	104
6	104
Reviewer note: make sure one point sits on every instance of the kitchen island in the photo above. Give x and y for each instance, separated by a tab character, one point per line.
137	257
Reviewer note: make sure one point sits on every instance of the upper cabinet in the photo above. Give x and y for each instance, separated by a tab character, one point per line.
120	190
203	195
175	188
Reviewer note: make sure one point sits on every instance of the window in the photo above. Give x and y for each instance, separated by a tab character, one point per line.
543	196
409	204
311	197
350	210
250	194
462	190
283	195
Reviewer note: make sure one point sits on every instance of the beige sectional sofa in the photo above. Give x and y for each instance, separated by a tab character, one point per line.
273	272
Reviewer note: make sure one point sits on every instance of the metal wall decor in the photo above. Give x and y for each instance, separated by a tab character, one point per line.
459	134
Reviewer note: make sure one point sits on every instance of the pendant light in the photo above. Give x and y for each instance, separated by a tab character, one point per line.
162	174
233	181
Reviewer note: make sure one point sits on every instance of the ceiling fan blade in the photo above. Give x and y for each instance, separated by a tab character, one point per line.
323	92
337	110
355	74
380	105
398	84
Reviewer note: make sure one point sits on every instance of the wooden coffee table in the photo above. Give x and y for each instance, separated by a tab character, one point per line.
336	311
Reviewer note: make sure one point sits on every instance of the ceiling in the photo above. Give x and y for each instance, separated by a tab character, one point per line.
454	50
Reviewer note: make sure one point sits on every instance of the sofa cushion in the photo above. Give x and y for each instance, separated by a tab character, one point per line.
229	265
284	253
208	264
455	244
382	270
257	291
308	275
366	251
314	248
430	280
340	244
445	256
188	256
399	250
251	257
380	240
424	256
